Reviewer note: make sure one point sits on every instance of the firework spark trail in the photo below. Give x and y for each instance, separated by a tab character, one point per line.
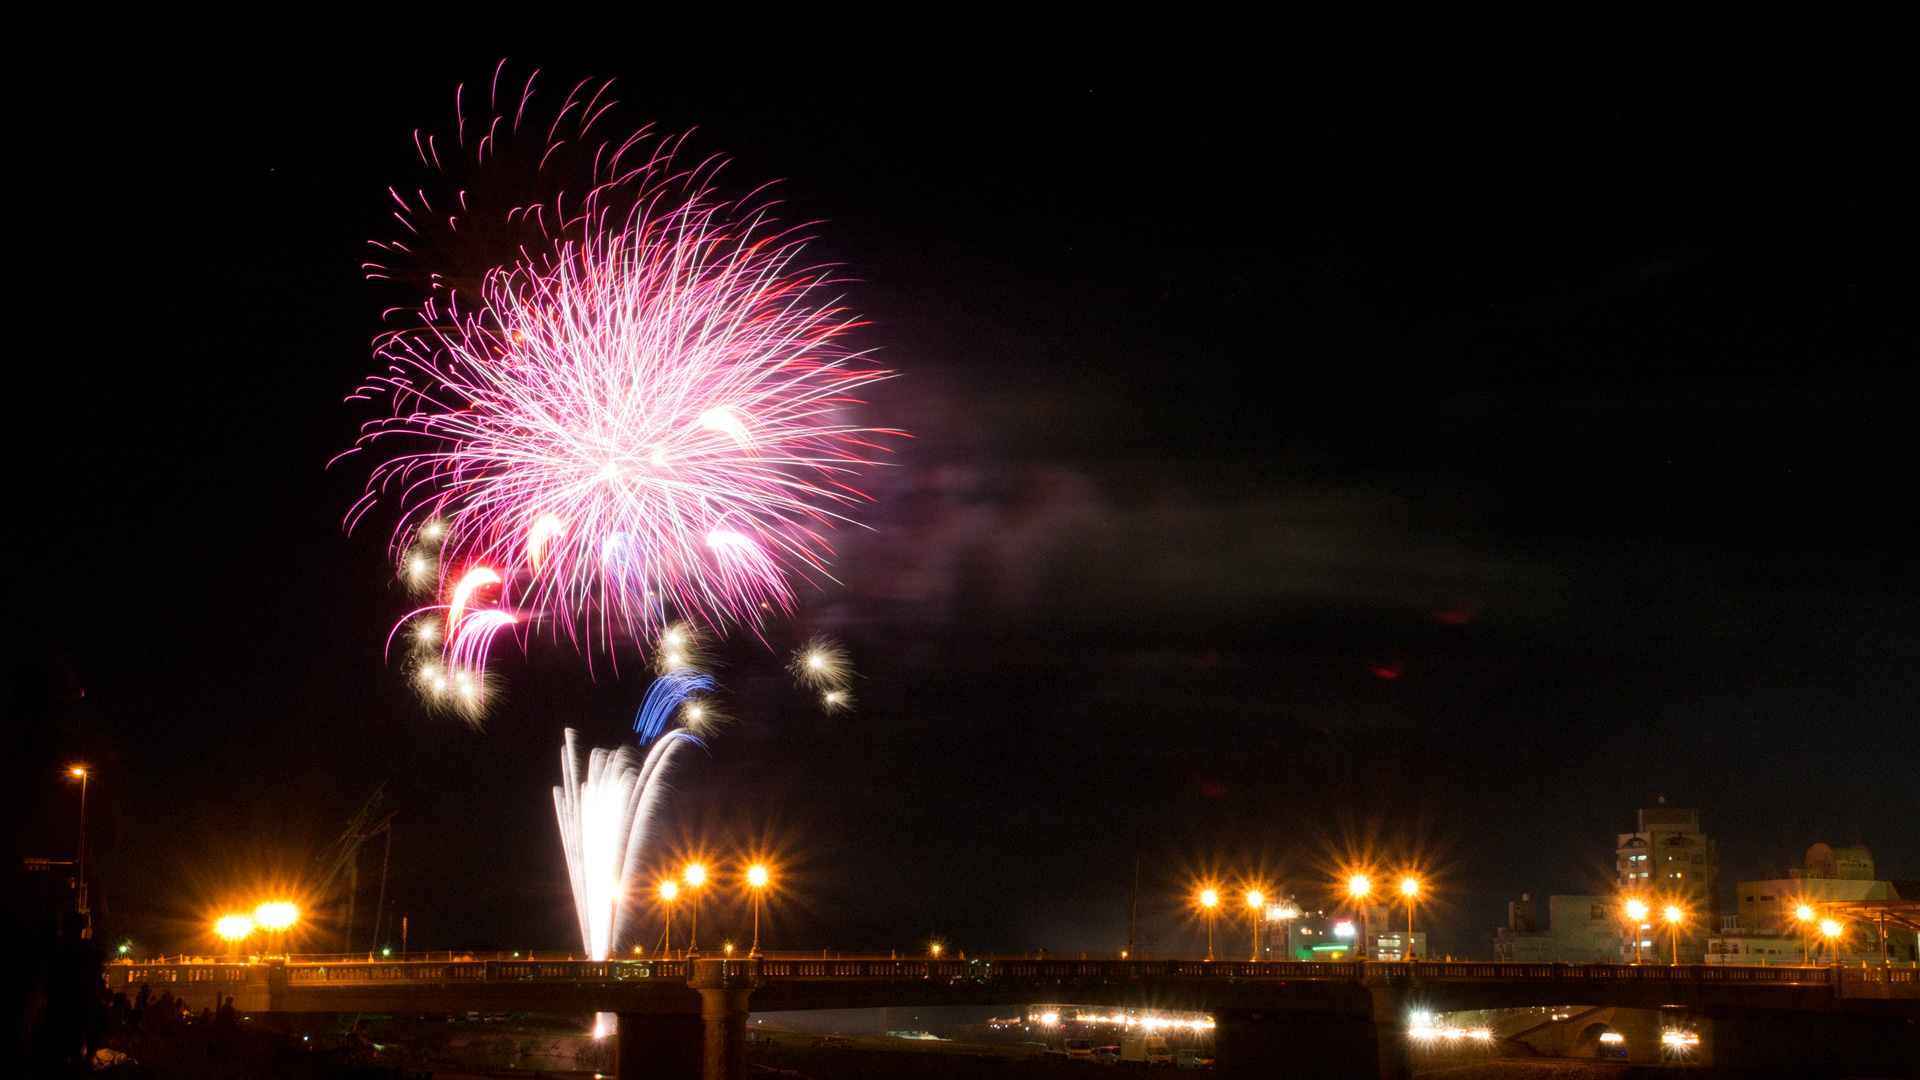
667	694
641	416
605	804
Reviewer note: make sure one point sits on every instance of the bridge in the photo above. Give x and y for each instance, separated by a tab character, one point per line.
681	1019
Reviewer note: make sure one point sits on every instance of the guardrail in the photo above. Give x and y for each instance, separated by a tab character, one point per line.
463	967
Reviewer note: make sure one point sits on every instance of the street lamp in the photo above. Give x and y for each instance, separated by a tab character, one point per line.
1675	916
1831	930
80	862
1636	910
276	916
1803	913
934	948
1410	890
757	879
1359	887
1209	899
235	929
1257	906
669	892
695	875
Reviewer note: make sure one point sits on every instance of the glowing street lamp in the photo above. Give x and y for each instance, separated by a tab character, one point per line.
695	875
1410	891
935	948
1675	915
1804	915
276	917
1359	887
235	929
669	892
1209	899
757	878
1256	907
1636	910
79	772
1832	930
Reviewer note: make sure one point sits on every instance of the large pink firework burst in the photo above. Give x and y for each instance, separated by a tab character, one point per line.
642	420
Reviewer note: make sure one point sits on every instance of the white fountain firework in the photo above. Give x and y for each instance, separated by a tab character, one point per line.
606	802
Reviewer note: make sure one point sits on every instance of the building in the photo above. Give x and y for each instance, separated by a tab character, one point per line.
1669	860
1579	930
1766	929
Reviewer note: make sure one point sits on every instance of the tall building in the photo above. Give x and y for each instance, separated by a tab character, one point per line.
1669	860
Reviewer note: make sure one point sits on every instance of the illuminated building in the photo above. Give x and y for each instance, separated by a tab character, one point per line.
1670	858
1765	929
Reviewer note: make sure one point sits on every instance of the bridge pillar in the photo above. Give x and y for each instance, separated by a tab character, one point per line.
658	1046
724	987
723	1018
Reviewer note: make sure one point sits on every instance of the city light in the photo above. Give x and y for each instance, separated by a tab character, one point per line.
1209	899
276	915
1359	886
695	875
233	927
1636	910
78	771
935	950
1677	1039
669	891
1254	899
1804	913
1674	914
757	876
1409	886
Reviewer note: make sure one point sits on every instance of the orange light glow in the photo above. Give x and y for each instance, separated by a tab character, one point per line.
276	915
757	876
1409	886
669	890
233	927
695	875
1209	898
1359	885
1255	899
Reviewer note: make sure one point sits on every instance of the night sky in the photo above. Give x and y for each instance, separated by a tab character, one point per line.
1433	444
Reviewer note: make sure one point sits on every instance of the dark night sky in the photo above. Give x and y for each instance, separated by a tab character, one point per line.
1566	380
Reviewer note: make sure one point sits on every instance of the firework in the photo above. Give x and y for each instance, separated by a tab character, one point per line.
605	803
641	418
822	665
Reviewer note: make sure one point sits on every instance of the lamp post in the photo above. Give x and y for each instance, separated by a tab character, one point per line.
1832	929
235	929
277	917
1410	890
669	892
1804	913
1209	899
695	875
1675	916
1257	906
80	862
1636	910
757	879
1359	886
